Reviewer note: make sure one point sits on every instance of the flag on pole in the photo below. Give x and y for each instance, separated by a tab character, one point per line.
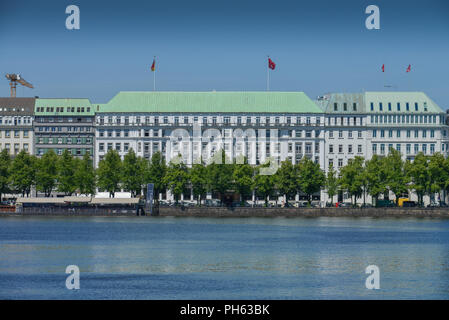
271	64
383	68
409	68
153	66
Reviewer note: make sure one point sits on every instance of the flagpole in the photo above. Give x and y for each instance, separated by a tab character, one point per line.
154	76
268	75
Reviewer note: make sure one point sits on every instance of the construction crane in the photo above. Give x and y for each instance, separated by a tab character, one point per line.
13	79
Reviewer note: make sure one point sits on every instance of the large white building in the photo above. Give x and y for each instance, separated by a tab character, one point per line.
16	124
371	123
284	125
197	124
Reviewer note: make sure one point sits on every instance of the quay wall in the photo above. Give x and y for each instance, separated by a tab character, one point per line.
250	212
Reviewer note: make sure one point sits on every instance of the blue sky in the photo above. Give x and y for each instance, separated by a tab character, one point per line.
318	46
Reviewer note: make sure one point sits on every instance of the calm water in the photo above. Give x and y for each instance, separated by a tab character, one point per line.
207	258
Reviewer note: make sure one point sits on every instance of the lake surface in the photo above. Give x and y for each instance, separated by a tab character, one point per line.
223	258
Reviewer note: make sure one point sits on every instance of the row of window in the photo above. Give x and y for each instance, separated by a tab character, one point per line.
16	149
102	147
351	134
74	152
15	133
340	163
407	119
345	106
61	109
349	150
68	129
389	106
408	133
226	133
13	109
155	120
348	121
15	120
63	140
42	119
408	148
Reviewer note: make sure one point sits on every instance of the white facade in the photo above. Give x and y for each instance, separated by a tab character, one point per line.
255	136
349	125
16	125
364	124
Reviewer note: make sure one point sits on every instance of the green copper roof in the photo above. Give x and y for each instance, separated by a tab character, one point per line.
205	102
342	103
63	107
335	103
420	98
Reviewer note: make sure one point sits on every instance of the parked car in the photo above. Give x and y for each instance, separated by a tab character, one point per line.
212	202
302	204
288	205
366	205
433	204
344	205
315	204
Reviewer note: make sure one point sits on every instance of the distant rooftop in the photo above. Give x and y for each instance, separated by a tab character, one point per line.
64	107
386	101
210	102
15	106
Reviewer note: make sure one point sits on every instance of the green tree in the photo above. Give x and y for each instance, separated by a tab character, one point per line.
85	176
177	179
264	185
287	179
198	181
376	176
110	172
220	174
66	173
331	183
419	174
23	173
243	179
47	172
397	179
133	173
362	181
446	181
439	174
155	173
5	166
350	179
310	178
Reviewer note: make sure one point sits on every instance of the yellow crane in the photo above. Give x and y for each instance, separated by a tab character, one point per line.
13	79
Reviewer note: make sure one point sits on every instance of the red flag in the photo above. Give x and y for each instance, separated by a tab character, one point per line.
383	68
271	64
153	66
409	68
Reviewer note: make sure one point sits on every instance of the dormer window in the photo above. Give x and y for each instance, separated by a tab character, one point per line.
335	106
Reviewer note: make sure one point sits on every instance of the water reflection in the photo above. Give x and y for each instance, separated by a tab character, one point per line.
238	258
